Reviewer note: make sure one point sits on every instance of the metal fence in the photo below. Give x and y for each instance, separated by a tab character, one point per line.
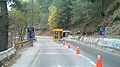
7	53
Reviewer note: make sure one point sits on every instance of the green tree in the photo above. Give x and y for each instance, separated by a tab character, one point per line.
64	11
44	5
20	19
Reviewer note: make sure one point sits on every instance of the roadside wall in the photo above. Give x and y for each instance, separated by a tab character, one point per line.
108	42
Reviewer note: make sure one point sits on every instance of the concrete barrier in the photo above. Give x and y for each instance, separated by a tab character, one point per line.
109	42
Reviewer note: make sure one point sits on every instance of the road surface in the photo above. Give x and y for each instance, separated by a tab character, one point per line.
53	54
46	53
108	59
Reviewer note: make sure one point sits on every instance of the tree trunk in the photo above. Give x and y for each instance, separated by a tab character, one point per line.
3	26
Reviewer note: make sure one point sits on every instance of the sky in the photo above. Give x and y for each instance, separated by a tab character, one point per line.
8	6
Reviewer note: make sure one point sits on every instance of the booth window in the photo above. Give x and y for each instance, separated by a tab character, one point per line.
60	34
56	35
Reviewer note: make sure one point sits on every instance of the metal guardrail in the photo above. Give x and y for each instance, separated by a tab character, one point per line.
11	51
7	53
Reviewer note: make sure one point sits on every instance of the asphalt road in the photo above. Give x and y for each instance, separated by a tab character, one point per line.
55	55
108	59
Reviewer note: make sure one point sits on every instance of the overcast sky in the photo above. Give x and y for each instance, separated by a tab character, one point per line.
8	6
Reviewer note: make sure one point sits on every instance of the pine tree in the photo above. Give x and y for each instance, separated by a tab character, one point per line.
65	14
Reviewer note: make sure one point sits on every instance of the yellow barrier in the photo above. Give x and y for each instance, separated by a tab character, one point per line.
21	42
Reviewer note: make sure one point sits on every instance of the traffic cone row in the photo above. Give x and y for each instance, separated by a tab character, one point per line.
77	50
99	61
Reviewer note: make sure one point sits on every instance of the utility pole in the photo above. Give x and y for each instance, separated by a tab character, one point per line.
31	13
30	29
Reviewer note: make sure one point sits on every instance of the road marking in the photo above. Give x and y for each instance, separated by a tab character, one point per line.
51	45
81	56
84	57
57	53
88	59
58	66
55	48
34	59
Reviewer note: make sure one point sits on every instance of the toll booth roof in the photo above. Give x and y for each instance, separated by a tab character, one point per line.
57	29
66	31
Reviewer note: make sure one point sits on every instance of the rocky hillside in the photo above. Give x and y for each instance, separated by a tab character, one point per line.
113	20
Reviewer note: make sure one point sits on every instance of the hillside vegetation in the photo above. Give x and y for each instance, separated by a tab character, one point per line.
83	15
77	15
113	20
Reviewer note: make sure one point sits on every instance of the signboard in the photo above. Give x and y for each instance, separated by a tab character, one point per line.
101	30
31	32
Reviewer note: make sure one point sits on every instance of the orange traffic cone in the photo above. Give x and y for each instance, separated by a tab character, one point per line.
99	61
78	50
68	45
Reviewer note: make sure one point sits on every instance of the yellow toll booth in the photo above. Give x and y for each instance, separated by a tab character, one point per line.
58	33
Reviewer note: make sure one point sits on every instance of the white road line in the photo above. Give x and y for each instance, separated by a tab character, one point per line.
82	56
88	59
51	45
57	53
35	58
